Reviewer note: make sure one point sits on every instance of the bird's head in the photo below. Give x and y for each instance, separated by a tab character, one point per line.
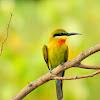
60	35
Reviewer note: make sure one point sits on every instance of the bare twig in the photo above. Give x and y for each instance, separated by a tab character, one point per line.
6	35
47	77
76	77
88	66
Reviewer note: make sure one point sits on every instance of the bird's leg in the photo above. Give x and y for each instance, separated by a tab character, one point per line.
62	63
50	70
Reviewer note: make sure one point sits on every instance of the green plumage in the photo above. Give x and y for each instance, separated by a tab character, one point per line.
56	52
55	55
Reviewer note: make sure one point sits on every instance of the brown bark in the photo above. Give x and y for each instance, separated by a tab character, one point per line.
52	75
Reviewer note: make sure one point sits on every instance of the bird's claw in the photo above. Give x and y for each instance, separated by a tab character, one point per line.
50	70
62	63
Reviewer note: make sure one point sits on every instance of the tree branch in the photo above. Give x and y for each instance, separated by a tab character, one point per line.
6	35
49	76
75	77
88	66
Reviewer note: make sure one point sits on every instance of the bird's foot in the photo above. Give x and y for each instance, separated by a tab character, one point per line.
62	63
50	70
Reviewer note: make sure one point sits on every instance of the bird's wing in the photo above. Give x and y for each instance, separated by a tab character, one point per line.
65	58
66	54
45	55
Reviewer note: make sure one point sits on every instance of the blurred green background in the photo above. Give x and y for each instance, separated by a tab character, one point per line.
33	20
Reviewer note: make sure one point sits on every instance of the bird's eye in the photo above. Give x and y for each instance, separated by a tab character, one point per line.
60	33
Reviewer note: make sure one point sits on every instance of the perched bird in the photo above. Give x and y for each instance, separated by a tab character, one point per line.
55	53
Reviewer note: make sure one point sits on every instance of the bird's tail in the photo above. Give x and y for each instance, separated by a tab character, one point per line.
59	90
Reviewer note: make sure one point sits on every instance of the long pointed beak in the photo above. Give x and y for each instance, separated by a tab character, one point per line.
69	34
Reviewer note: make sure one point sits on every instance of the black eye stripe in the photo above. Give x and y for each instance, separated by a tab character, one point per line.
56	35
59	34
65	34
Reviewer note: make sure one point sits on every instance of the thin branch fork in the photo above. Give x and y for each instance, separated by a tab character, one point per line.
88	66
6	34
52	75
75	77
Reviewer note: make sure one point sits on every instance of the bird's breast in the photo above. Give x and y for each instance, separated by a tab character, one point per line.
56	54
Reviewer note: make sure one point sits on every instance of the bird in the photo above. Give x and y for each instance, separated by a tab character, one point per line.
56	53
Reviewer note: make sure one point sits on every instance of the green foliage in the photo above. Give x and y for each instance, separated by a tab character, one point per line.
32	22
